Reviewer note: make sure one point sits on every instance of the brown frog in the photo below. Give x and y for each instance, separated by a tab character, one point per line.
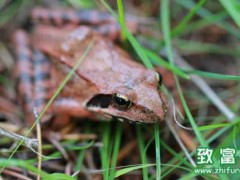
107	84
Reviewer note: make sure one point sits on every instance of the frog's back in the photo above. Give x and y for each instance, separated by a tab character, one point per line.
105	66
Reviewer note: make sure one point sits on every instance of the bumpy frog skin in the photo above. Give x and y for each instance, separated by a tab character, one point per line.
107	84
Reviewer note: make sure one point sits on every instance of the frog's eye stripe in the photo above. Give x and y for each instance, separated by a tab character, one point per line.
100	100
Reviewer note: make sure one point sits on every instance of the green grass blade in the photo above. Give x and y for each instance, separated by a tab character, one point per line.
193	47
105	150
214	126
165	21
83	4
142	151
82	152
207	16
130	169
196	129
177	166
232	10
189	115
177	156
117	142
79	160
137	47
77	148
27	164
167	39
161	62
157	150
8	12
201	23
58	176
121	17
180	27
213	75
5	81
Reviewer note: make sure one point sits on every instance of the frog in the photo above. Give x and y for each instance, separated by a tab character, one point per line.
108	84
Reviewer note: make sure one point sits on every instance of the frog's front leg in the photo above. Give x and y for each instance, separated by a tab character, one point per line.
32	72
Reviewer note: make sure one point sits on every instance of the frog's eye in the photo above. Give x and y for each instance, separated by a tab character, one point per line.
122	101
159	78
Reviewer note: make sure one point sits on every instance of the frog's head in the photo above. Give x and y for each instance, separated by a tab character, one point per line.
137	100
